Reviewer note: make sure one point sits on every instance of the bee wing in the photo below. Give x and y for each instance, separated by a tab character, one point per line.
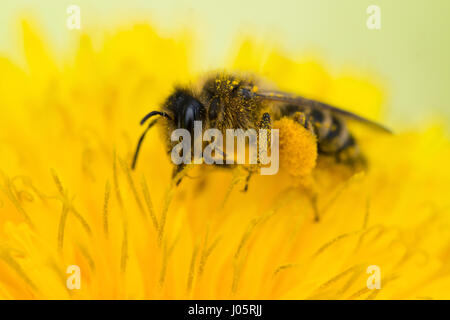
313	104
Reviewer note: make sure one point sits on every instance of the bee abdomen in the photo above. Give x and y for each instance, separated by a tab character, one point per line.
321	121
333	137
336	137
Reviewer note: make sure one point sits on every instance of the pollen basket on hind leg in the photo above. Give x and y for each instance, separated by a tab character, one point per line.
298	148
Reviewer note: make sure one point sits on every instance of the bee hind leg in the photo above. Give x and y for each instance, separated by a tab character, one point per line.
313	199
311	196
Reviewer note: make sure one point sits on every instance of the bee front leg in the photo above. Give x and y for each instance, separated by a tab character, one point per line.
264	123
177	175
247	180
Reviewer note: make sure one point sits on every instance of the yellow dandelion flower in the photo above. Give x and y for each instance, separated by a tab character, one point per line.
68	196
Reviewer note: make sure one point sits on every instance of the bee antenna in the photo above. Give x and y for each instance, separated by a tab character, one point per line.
138	147
155	113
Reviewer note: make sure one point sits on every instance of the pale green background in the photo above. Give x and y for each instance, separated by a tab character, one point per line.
410	54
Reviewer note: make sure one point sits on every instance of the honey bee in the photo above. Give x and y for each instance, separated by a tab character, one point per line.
227	101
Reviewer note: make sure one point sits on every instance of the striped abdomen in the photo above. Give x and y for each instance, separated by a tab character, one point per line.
331	131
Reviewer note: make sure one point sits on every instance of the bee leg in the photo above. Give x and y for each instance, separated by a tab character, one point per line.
313	199
265	123
176	174
247	180
350	154
357	163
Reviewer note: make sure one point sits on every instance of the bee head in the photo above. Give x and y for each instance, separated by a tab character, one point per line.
185	109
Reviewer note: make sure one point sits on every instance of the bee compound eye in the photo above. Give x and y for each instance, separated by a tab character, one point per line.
189	118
